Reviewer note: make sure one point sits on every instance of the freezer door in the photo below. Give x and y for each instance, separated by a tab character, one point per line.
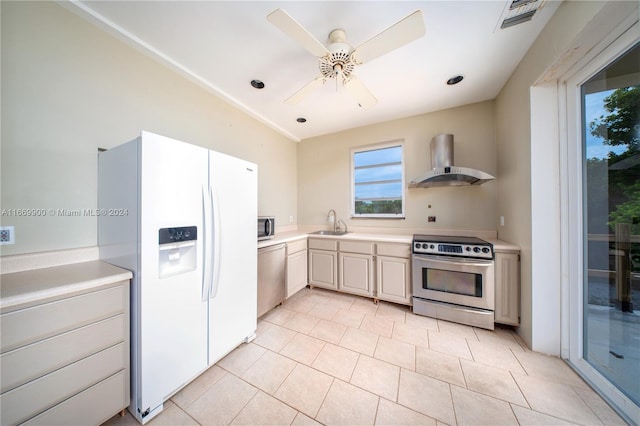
169	312
233	301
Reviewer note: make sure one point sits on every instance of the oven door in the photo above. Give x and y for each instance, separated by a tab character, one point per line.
465	282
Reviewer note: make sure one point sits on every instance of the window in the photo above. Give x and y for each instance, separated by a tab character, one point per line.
377	178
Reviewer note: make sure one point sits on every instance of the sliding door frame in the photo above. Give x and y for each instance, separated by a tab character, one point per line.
572	208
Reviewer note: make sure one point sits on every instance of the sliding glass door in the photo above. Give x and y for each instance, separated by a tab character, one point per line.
604	99
611	165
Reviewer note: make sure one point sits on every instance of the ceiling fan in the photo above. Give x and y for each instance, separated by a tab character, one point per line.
339	58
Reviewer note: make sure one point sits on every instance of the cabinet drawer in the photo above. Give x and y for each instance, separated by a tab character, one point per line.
39	322
96	405
33	398
394	250
323	244
361	247
32	361
296	246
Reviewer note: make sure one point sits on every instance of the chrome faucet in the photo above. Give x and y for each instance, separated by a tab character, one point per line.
331	217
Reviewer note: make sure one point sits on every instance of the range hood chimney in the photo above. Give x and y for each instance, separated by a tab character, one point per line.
443	172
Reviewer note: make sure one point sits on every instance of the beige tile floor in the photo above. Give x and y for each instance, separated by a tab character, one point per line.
330	358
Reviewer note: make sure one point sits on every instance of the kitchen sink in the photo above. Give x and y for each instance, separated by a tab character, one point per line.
329	233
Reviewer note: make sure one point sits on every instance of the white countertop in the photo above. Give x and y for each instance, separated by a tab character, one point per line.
24	288
285	237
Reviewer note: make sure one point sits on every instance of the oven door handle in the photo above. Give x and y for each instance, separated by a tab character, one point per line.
452	259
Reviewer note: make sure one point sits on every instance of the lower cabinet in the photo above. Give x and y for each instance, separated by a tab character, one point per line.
378	270
507	278
393	279
296	273
355	267
67	361
323	263
393	272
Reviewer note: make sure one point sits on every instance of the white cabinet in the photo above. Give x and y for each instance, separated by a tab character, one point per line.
366	268
296	274
507	288
393	272
323	263
65	355
355	269
393	279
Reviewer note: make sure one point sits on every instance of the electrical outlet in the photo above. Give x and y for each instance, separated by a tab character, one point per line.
501	220
432	219
7	235
290	219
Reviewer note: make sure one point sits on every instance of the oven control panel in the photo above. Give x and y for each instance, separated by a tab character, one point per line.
479	251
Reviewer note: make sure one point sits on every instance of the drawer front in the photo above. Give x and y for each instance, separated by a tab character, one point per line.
35	397
361	247
94	406
39	322
32	361
321	244
296	246
394	250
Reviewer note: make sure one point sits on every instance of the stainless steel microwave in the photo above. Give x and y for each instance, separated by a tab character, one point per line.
266	227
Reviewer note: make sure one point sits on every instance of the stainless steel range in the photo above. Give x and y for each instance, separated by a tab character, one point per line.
453	279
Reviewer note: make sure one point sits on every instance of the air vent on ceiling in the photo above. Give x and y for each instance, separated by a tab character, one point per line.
519	11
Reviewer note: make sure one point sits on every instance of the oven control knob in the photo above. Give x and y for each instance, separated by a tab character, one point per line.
485	250
476	249
432	247
468	248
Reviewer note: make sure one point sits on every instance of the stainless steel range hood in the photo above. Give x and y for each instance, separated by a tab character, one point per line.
443	172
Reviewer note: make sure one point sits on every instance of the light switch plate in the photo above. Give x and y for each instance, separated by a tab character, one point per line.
7	235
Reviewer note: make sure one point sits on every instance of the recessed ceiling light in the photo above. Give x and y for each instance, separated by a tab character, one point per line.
454	80
257	84
301	120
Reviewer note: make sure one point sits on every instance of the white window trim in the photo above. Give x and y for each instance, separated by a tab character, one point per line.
382	145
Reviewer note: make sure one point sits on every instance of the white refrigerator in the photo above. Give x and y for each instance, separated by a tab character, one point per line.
182	218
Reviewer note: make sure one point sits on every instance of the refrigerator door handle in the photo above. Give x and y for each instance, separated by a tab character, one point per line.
215	231
206	245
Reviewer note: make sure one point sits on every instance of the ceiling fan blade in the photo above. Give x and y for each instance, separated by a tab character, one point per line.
359	91
402	32
293	29
302	93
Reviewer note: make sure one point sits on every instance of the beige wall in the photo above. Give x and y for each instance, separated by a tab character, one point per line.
324	170
69	88
540	321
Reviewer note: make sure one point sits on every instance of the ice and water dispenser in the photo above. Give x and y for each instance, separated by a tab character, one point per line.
177	250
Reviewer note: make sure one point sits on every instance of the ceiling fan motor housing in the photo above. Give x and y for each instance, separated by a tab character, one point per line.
340	60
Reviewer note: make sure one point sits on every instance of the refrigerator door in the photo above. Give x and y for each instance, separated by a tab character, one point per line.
169	312
233	301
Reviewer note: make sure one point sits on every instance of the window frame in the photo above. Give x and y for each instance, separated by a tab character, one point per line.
373	147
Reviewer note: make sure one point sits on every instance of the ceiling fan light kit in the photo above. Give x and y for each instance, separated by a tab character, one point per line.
339	59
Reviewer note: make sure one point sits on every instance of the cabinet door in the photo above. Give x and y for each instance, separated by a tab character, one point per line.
323	271
296	272
393	279
507	288
356	273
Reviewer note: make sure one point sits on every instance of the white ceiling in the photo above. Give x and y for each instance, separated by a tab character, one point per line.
223	45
